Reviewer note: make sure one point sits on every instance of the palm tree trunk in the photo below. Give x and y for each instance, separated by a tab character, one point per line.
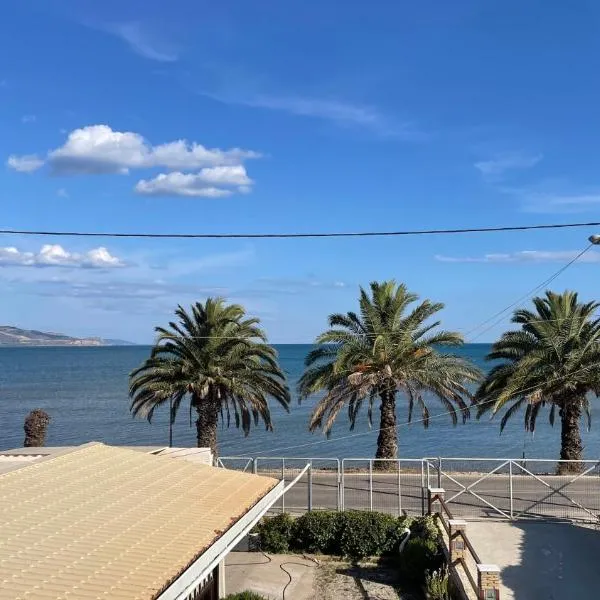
206	424
571	447
387	441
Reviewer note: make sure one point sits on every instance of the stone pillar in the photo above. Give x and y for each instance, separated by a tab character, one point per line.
488	582
431	498
457	542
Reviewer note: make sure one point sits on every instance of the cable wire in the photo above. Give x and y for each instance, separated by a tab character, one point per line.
524	297
429	418
338	234
470	331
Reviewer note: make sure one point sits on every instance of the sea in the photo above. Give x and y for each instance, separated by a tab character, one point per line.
85	392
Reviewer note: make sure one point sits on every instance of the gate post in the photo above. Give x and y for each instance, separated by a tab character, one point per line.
439	472
371	484
341	490
457	541
399	491
283	479
510	488
433	494
488	582
423	488
310	489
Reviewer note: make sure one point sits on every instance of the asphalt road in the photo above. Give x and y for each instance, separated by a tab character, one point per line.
497	495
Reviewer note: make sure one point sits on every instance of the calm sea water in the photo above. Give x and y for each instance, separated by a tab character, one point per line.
85	392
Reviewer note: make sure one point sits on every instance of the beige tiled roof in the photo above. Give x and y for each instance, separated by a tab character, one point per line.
112	523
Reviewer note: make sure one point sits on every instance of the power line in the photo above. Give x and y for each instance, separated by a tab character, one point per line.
430	418
523	297
367	335
500	313
338	234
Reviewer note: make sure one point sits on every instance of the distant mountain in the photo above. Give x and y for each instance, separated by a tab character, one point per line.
111	342
15	336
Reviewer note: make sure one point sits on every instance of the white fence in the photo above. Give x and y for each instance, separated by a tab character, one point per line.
475	487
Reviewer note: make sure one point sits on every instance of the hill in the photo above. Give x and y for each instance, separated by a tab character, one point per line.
15	336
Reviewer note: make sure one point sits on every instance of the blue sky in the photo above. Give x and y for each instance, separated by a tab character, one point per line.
291	116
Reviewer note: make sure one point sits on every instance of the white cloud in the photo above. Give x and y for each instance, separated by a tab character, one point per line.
496	167
28	119
182	155
54	255
98	149
62	193
24	164
210	182
560	203
340	112
333	110
525	256
210	262
555	196
142	41
277	285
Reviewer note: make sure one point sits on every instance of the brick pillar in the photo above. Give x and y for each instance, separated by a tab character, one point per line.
431	495
457	542
488	582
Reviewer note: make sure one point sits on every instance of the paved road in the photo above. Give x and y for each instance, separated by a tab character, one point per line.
531	497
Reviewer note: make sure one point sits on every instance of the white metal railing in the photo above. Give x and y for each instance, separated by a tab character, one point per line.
505	488
519	489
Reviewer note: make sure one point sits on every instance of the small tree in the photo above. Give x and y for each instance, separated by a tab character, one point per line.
35	427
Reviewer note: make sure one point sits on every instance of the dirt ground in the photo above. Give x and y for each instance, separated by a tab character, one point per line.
306	577
334	580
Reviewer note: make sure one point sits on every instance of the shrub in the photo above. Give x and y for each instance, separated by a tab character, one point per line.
276	533
437	585
366	534
425	527
396	534
419	556
319	532
245	596
354	534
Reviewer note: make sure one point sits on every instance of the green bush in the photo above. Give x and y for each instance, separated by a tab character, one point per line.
425	527
319	532
276	533
366	534
245	596
437	585
419	557
354	534
396	534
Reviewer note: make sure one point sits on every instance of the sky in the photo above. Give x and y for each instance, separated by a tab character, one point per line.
271	116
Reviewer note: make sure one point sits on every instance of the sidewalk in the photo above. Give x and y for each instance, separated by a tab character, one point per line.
540	560
253	571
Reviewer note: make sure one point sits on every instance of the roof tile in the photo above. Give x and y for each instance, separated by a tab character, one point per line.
105	522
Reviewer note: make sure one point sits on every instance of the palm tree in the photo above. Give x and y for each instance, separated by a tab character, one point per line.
552	360
387	349
221	360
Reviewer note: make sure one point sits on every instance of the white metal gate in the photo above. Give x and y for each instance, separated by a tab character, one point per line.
474	487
